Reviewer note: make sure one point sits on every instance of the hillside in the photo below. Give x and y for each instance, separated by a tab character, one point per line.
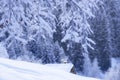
19	70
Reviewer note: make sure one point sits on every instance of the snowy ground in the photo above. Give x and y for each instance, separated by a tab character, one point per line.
63	67
20	70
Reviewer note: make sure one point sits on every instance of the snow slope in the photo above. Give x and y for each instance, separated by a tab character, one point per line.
20	70
64	67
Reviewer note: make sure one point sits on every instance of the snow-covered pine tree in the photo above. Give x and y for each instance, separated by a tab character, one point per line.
12	13
41	32
76	29
100	27
106	32
27	22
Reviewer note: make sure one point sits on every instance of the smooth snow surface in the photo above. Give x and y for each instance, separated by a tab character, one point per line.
65	67
20	70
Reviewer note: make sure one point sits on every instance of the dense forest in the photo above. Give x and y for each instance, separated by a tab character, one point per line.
85	33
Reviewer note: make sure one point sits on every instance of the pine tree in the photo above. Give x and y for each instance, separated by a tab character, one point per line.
102	37
76	30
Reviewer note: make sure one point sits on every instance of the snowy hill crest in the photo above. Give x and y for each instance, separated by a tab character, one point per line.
19	70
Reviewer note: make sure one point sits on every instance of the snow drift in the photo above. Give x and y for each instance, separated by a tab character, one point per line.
20	70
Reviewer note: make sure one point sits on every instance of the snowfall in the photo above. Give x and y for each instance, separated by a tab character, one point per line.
21	70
